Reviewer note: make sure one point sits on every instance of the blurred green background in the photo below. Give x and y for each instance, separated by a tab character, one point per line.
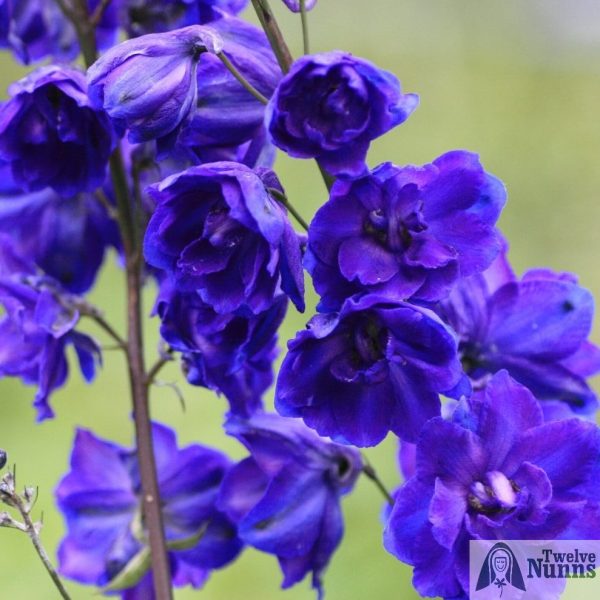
517	81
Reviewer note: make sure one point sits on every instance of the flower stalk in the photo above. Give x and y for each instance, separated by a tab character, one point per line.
128	218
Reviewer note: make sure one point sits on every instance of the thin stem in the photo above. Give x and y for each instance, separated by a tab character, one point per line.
102	198
328	179
283	199
305	41
97	15
33	533
129	226
106	326
370	472
245	83
282	52
274	35
158	365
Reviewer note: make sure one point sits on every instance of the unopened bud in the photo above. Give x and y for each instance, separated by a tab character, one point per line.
3	458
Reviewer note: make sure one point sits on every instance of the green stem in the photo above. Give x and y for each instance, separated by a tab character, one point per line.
274	35
283	199
245	83
129	225
303	18
282	52
371	474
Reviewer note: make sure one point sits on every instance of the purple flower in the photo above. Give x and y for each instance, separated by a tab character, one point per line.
37	327
38	30
495	472
405	232
50	134
330	106
66	237
218	230
148	84
374	367
535	328
294	5
227	114
285	497
100	499
155	16
230	354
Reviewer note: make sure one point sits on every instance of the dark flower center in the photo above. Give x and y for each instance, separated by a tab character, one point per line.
494	494
369	341
394	231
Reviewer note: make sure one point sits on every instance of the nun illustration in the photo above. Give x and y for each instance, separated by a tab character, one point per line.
500	568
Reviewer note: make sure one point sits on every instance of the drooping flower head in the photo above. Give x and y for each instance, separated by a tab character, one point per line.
52	136
218	230
231	354
148	84
330	106
65	237
372	368
496	471
100	500
285	497
37	328
406	232
536	328
227	114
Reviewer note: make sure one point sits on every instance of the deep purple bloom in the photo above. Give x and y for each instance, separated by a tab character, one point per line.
52	136
218	230
406	232
330	106
294	5
374	367
38	30
227	353
65	237
100	499
155	16
285	497
495	472
227	114
37	329
148	84
536	328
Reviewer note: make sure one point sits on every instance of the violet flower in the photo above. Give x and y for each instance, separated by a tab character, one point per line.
227	114
406	232
38	30
374	367
66	237
37	328
100	499
218	230
330	106
495	472
52	136
156	16
148	84
536	328
285	497
230	354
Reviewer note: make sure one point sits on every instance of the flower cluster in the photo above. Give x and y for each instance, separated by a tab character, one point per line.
164	151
